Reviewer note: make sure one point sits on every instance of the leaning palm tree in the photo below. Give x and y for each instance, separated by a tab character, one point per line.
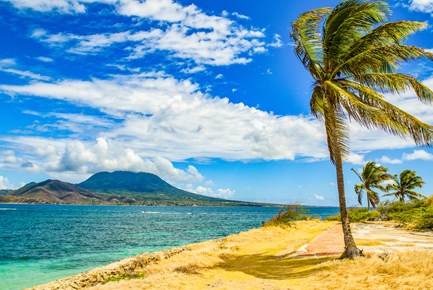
404	185
372	177
353	61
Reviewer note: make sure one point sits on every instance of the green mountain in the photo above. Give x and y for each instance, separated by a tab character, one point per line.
149	189
5	191
51	191
119	187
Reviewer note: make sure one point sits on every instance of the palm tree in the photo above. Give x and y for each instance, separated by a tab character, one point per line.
353	61
372	176
404	185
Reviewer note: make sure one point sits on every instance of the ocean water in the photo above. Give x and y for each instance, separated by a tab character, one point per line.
42	243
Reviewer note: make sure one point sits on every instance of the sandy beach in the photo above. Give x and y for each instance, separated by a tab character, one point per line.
303	256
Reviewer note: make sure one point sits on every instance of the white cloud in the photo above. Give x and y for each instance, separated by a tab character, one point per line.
220	193
418	154
83	158
162	116
193	70
5	184
240	16
209	183
9	156
422	5
60	6
319	197
45	59
185	32
355	159
387	160
219	76
27	74
7	64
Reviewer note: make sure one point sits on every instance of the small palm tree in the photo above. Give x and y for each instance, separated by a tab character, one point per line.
372	176
353	57
404	185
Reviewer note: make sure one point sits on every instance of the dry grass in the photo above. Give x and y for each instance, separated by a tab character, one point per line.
260	259
405	270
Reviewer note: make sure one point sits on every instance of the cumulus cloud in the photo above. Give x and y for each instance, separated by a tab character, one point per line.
387	160
220	193
319	197
418	154
356	159
171	118
5	184
9	156
104	155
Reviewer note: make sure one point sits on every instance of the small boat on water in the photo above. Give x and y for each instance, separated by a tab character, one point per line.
143	211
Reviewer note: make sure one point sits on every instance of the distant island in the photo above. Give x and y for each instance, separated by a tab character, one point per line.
116	188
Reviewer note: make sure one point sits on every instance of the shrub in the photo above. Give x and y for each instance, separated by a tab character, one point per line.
425	219
357	215
401	212
286	215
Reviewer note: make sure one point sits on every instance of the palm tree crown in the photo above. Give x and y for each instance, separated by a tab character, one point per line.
372	176
404	185
353	61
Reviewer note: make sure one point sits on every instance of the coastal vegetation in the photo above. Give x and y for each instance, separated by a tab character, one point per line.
372	177
404	185
287	215
416	214
353	54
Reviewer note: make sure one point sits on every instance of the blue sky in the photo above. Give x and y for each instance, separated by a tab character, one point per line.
206	94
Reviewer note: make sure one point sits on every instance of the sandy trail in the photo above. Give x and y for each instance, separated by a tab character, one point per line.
386	237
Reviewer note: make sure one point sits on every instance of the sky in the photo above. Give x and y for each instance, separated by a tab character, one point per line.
208	95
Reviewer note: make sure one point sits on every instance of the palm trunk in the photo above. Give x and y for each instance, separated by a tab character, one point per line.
368	203
351	250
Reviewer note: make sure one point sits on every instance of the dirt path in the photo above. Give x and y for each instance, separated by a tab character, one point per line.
385	237
370	237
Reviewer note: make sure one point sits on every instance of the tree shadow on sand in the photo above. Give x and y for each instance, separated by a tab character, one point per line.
265	266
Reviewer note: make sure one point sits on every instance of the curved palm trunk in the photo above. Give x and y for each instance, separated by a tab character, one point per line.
368	203
351	250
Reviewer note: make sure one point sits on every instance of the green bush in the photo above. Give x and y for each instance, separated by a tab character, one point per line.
357	215
425	219
401	212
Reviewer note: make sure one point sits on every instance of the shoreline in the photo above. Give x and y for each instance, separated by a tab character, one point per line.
272	257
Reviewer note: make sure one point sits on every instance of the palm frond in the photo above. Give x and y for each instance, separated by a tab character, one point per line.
388	33
348	22
397	83
306	37
380	59
388	117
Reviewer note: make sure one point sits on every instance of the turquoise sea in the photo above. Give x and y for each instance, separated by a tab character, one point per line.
41	243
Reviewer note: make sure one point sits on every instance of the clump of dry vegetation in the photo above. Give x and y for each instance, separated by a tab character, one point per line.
287	215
